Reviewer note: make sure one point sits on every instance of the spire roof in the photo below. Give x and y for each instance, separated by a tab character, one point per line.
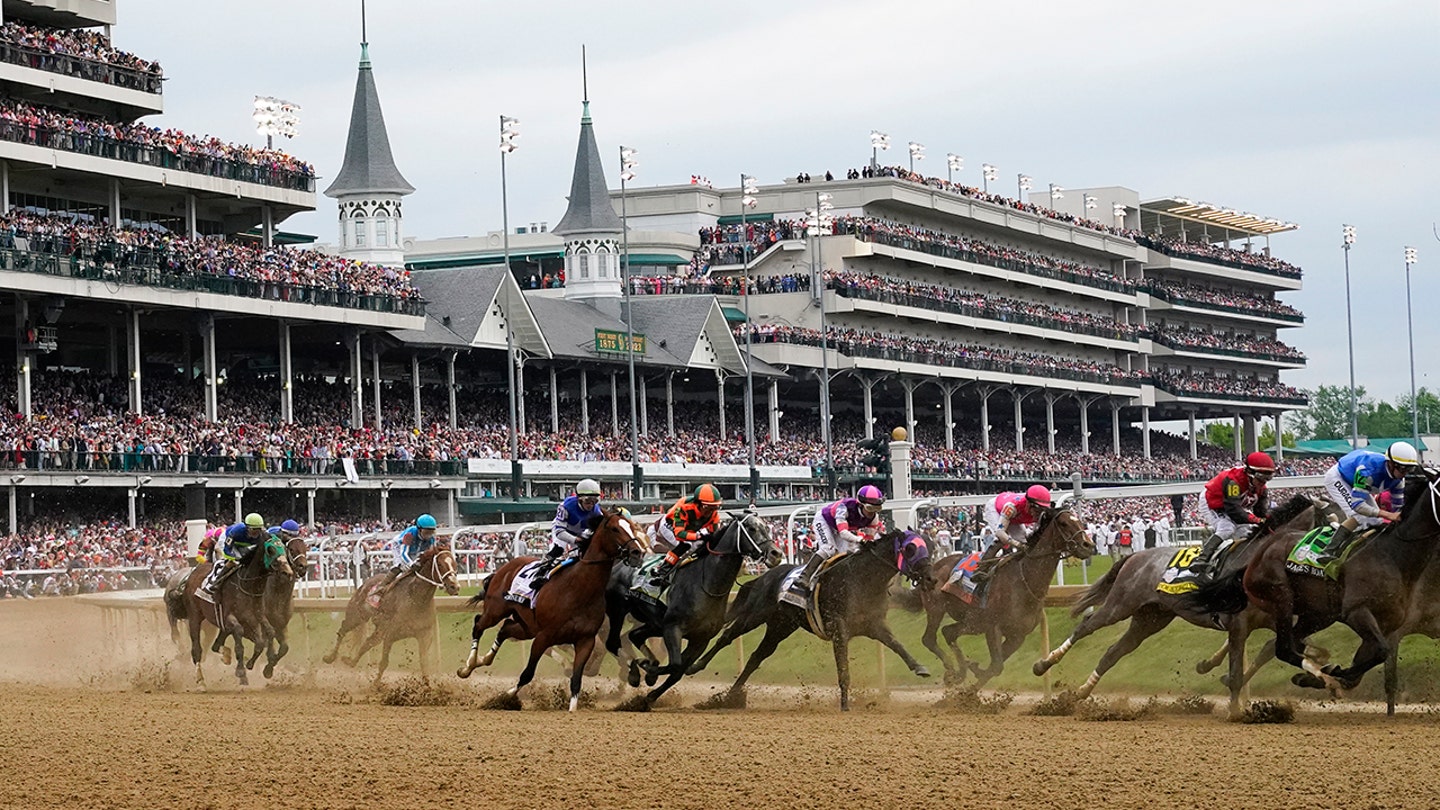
590	209
368	166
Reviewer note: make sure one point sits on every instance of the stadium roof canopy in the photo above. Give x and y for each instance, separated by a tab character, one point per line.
1216	219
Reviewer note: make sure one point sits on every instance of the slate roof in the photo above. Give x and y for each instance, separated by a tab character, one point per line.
368	166
590	210
570	326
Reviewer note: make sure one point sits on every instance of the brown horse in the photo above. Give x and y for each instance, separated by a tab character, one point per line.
279	604
238	609
567	610
1016	598
406	611
1373	595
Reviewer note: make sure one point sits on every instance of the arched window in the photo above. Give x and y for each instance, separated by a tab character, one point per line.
584	260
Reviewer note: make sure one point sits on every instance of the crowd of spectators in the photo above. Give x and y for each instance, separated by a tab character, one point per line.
934	352
1219	254
1214	385
1178	337
168	259
77	52
1196	295
50	543
70	131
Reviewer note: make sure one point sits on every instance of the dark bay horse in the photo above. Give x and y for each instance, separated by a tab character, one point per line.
1128	591
568	609
695	601
406	611
853	599
238	609
279	604
1372	596
1015	597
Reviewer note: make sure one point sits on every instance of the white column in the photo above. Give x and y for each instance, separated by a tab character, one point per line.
384	505
774	407
450	388
520	395
554	402
129	500
1194	451
115	202
415	390
310	508
1236	432
22	358
670	404
910	387
357	388
1084	425
900	472
1252	435
1279	436
584	402
452	514
949	411
14	516
644	407
867	385
1050	421
192	226
239	505
375	380
267	226
1145	426
287	382
212	368
720	400
4	185
132	323
1115	427
1019	418
614	407
985	392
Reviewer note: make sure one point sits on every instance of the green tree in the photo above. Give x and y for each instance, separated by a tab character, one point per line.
1429	410
1384	419
1267	437
1219	434
1328	416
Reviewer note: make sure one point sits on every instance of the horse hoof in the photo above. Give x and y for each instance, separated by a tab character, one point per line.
1225	680
226	656
269	671
329	658
634	677
1307	680
1040	668
463	672
651	676
921	671
1203	667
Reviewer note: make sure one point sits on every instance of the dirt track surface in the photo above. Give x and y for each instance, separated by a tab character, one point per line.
87	736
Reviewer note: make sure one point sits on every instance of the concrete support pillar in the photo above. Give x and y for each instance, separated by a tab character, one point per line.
192	225
114	202
1084	425
985	392
1252	434
23	358
910	386
14	511
415	390
452	512
287	376
132	346
644	407
614	406
774	411
584	402
357	387
130	497
1279	436
900	474
239	505
554	401
310	508
867	385
720	400
1019	397
379	419
113	344
5	185
1194	451
384	505
520	420
211	367
1237	433
948	409
450	388
1145	427
267	226
1050	421
1115	427
670	404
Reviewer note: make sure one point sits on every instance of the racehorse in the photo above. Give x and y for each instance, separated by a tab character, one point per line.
279	604
238	609
1128	591
406	611
567	610
1372	596
853	597
1015	597
695	601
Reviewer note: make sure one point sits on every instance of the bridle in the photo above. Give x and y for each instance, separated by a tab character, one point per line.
742	527
632	544
434	567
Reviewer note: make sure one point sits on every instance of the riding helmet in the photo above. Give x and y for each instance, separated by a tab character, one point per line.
1039	494
708	495
425	522
254	521
870	494
1259	462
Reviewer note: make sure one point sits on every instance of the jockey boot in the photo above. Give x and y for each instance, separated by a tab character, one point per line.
1200	566
548	565
660	577
805	583
1338	542
986	567
213	581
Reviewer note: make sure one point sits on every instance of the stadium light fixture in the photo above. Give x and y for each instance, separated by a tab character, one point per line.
628	164
1347	238
917	152
748	189
953	163
878	141
1057	193
252	482
144	479
988	173
275	116
15	479
1087	203
509	142
1024	183
1118	211
81	479
1412	256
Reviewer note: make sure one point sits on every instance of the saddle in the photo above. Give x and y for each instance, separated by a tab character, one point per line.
1302	558
809	603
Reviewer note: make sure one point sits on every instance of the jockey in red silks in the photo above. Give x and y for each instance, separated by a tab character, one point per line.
1233	503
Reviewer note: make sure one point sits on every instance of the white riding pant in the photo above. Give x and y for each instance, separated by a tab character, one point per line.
1014	533
1223	526
828	542
1338	491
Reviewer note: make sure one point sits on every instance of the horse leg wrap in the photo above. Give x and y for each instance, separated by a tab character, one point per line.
1059	652
1089	685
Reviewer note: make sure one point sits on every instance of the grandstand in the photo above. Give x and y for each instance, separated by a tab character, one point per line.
167	333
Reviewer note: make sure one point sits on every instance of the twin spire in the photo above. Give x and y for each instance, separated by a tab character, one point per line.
369	168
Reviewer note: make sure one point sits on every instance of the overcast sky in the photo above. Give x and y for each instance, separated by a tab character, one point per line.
1318	112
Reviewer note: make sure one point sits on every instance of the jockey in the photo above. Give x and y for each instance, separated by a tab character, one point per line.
1233	503
1008	514
407	548
837	528
569	533
235	544
206	551
688	522
1352	484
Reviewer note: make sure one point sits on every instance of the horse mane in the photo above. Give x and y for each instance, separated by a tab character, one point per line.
1414	488
1283	514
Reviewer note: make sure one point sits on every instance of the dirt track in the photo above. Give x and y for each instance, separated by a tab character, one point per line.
76	738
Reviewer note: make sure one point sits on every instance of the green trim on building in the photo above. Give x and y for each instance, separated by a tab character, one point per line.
734	219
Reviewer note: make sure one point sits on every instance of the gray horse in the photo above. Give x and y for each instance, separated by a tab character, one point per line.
1128	591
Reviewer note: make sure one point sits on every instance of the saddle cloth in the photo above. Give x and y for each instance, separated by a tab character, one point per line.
640	585
521	587
1178	577
959	585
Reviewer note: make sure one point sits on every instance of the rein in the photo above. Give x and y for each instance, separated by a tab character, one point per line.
435	568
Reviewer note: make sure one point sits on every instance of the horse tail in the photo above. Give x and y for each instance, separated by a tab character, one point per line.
484	586
1096	593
